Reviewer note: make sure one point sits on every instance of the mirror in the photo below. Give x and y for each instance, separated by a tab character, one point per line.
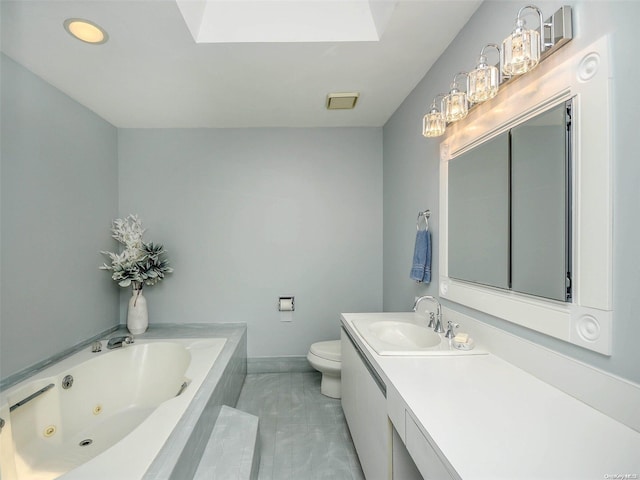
540	197
509	216
540	213
479	214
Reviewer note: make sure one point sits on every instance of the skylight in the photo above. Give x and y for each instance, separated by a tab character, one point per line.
246	21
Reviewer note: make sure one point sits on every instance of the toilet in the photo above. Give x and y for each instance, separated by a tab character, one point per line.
325	357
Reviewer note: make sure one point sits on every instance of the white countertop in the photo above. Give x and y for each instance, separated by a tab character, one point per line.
492	420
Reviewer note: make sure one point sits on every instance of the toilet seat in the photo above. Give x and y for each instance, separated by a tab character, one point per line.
329	350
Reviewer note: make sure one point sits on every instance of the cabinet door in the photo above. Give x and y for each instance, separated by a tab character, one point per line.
365	409
349	358
424	455
404	468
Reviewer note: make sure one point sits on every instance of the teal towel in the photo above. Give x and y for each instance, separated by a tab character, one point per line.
421	268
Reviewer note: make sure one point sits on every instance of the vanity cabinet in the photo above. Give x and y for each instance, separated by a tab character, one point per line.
365	409
372	410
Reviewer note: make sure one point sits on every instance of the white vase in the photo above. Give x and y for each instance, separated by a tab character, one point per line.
137	315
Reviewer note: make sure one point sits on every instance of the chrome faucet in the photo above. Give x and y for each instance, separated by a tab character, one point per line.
451	326
437	327
119	342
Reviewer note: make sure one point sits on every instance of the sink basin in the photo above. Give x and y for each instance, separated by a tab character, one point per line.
397	336
404	334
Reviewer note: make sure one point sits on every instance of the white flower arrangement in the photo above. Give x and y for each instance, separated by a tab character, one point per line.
139	263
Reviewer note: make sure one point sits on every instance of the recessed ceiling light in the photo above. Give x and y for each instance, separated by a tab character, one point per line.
342	101
86	31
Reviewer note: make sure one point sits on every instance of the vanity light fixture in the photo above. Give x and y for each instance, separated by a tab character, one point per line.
86	31
434	123
484	81
521	51
455	104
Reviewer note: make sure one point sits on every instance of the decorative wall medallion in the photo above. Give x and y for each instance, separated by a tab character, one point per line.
588	328
588	67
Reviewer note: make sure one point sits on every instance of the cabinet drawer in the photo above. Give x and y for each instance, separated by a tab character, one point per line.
423	454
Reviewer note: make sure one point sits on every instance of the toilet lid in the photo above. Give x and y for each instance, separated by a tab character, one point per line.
329	350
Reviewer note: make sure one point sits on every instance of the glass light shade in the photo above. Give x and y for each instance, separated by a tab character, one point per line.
455	106
483	83
433	124
520	50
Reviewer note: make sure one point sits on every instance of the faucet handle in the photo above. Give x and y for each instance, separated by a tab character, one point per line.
432	320
450	327
128	339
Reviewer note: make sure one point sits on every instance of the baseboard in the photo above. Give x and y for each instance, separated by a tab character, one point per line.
278	364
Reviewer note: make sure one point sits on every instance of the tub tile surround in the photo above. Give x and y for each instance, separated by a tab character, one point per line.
32	370
471	407
181	454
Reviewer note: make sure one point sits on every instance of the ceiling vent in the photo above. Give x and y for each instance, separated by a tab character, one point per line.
342	101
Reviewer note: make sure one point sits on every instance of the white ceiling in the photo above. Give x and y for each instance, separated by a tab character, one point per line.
151	73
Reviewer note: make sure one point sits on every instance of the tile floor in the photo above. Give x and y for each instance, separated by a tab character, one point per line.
303	434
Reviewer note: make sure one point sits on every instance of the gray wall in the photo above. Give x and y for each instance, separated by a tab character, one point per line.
411	169
58	195
248	215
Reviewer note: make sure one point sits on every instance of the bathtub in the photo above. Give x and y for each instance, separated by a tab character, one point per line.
120	409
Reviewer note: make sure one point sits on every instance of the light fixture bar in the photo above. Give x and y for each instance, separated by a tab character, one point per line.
555	32
560	32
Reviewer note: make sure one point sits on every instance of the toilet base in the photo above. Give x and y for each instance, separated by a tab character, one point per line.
330	370
330	386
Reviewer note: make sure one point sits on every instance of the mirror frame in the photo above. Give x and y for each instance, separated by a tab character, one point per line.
584	75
